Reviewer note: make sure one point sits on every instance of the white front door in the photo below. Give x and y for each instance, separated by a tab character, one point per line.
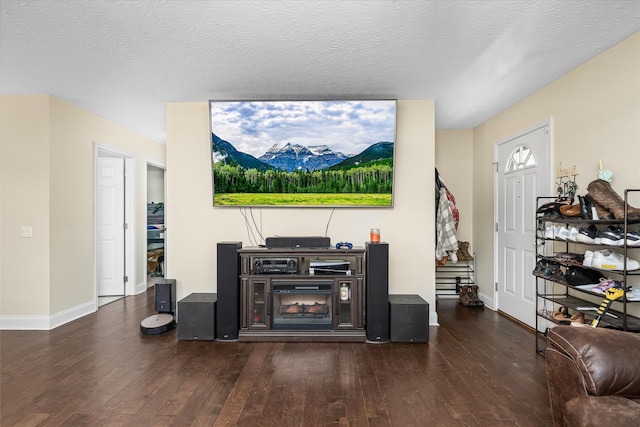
110	243
522	174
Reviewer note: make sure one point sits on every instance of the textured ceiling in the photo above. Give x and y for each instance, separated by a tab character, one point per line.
123	60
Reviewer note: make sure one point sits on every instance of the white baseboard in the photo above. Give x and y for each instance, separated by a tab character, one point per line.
433	318
17	323
488	301
72	313
140	288
46	323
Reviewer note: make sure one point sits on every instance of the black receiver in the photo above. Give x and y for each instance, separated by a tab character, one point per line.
272	265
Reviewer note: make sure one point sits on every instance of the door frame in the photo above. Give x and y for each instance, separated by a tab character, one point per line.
129	249
496	173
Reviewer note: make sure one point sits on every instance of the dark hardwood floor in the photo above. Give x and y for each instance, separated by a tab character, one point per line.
479	369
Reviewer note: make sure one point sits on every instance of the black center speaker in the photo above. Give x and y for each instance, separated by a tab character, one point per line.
377	295
228	293
293	242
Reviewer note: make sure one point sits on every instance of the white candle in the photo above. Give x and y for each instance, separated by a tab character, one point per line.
600	164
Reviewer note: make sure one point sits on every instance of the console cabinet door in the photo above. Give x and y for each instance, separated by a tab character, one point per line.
347	303
258	307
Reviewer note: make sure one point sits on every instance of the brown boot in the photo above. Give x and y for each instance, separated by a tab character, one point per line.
473	296
464	295
601	211
463	251
602	193
466	252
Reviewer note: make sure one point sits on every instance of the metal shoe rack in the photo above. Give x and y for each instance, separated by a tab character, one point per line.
551	294
450	276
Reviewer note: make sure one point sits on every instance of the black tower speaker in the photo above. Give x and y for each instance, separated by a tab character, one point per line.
377	300
228	306
165	294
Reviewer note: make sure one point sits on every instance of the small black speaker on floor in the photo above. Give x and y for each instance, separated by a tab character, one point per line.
228	306
377	295
197	317
165	294
409	318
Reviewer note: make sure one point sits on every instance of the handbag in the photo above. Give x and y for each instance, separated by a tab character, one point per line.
582	276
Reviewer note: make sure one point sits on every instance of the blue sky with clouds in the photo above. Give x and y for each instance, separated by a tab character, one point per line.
346	126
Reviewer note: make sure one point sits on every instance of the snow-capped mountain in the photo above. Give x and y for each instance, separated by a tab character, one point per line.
291	157
224	151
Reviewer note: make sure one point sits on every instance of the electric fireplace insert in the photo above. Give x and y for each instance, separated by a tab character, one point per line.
302	305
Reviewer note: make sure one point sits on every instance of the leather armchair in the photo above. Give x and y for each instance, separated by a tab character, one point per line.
593	376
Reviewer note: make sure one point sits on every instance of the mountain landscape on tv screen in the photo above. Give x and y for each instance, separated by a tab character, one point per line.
294	157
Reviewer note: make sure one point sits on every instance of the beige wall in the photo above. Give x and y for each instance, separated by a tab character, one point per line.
24	201
595	113
454	161
47	174
194	226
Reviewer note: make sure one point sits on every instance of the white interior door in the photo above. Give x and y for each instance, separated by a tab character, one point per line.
522	175
110	219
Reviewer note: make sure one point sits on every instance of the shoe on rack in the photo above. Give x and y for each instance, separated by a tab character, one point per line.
587	235
549	232
588	259
585	207
552	269
551	210
564	310
463	251
558	277
546	268
573	234
569	258
562	233
602	193
540	267
577	319
633	239
599	212
610	260
561	318
570	210
612	236
604	285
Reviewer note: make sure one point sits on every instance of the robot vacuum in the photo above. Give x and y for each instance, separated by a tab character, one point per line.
157	324
165	304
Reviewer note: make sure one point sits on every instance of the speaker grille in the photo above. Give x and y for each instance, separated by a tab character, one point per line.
377	290
228	290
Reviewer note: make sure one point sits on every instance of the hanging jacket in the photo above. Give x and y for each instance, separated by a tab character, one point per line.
446	240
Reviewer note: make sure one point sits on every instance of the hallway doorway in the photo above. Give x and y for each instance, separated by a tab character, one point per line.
114	227
156	230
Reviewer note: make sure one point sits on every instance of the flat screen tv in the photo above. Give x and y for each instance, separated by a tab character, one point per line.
336	153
